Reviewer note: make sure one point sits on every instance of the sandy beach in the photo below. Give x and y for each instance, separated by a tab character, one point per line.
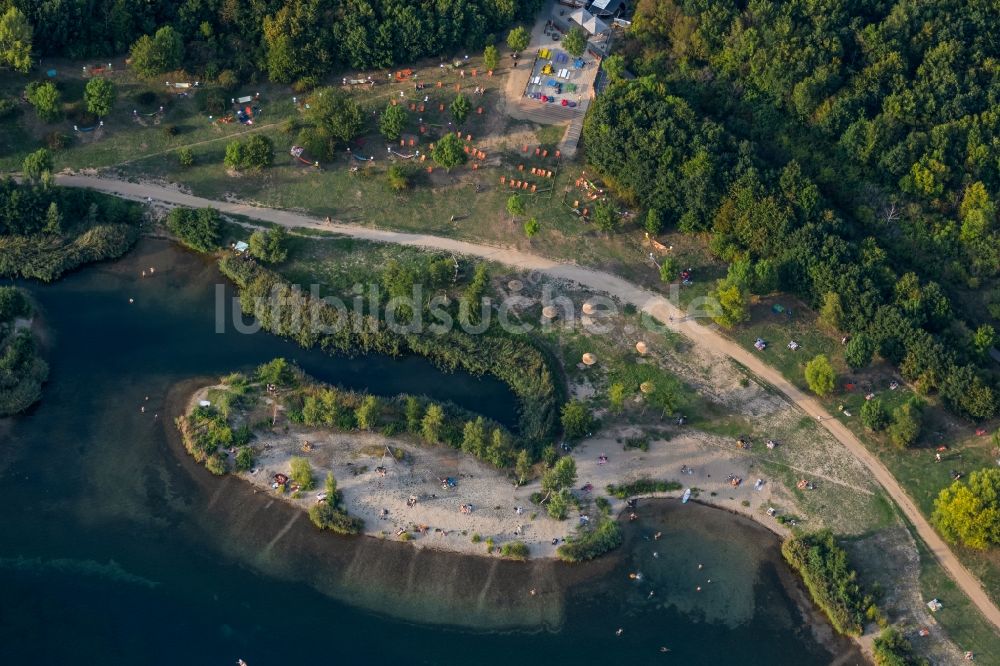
500	511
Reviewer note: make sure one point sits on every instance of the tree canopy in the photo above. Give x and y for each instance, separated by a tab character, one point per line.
840	153
99	95
163	52
392	122
575	41
199	229
518	39
15	40
820	376
286	40
46	99
449	152
269	246
968	512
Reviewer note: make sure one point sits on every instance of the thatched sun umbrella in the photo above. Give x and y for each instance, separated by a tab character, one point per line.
641	347
549	312
588	309
515	285
589	359
647	387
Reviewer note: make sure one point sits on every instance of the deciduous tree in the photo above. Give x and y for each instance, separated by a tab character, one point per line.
820	377
160	53
99	95
448	152
518	39
392	122
575	41
969	512
576	419
15	40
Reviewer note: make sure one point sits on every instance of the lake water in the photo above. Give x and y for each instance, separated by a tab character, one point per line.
116	549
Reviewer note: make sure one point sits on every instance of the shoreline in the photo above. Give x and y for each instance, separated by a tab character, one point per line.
455	536
355	456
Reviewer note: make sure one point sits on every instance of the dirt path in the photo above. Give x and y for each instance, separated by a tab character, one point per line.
653	304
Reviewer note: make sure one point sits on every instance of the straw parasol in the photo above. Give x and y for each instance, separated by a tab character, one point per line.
515	285
641	347
588	308
549	312
589	359
647	387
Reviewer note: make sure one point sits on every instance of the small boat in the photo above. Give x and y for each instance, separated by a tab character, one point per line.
686	496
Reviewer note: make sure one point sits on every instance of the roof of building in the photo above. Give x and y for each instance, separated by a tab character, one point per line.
589	22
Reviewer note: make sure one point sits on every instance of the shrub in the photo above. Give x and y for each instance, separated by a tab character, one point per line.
591	542
642	487
244	459
185	156
892	649
13	304
199	229
397	177
606	217
830	580
22	371
56	140
327	517
227	80
906	422
216	464
874	415
460	108
8	109
278	372
515	550
269	246
46	99
210	100
254	154
301	472
36	164
859	351
576	419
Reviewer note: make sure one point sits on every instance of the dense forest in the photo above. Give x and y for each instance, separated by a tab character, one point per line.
286	39
846	151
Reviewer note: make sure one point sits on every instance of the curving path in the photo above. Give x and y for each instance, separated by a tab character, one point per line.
649	302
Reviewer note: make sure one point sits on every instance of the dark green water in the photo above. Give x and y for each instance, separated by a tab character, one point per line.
116	549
